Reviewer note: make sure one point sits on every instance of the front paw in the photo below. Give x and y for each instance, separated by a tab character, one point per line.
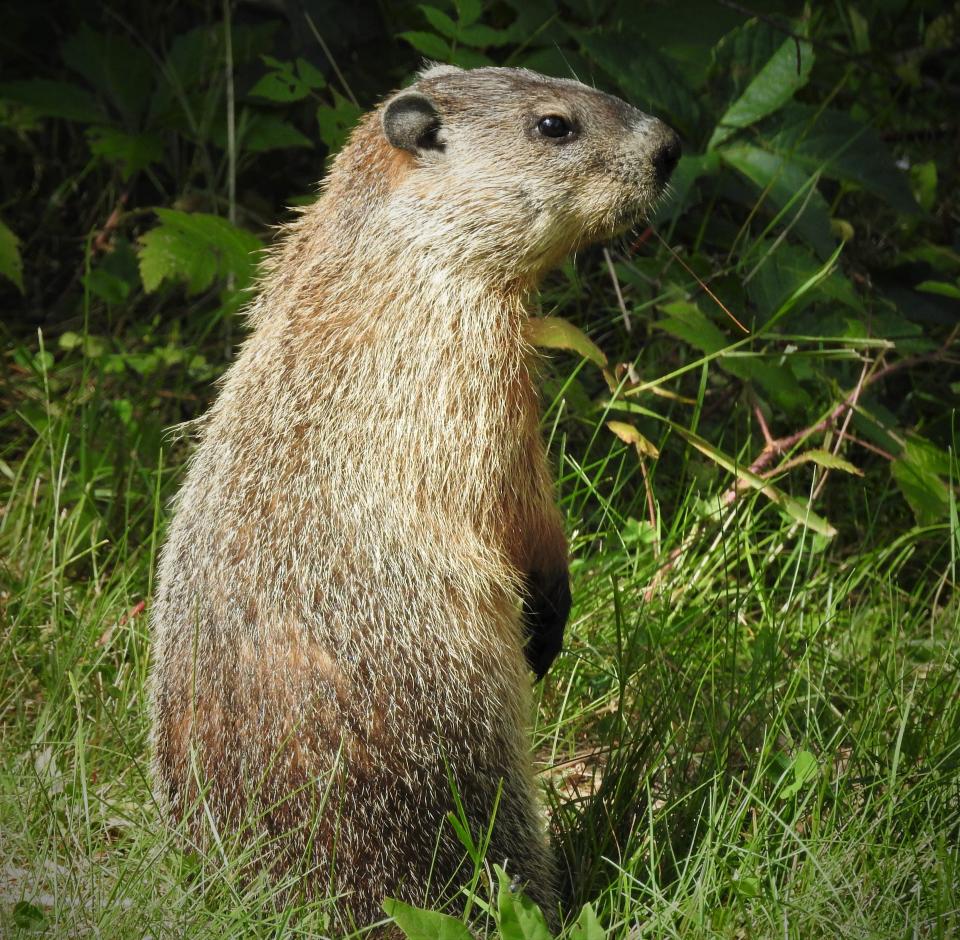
545	611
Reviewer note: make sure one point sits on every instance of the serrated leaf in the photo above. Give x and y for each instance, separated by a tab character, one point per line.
419	924
195	249
440	21
787	70
433	47
630	435
557	333
131	152
588	926
519	918
11	264
54	99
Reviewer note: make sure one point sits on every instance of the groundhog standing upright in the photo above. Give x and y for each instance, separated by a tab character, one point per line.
366	568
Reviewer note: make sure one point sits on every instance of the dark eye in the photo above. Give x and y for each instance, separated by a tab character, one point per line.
554	126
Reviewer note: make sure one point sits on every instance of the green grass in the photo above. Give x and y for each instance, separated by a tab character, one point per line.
754	732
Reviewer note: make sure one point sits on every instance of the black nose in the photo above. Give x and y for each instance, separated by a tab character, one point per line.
666	155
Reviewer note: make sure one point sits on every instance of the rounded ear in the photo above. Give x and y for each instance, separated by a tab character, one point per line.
411	122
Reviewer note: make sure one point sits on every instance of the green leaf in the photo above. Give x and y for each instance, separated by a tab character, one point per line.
310	75
484	37
11	264
943	288
823	458
689	324
468	11
923	178
440	21
557	333
131	152
649	78
917	472
787	70
433	47
29	917
107	286
784	268
282	86
588	925
803	769
833	143
419	924
335	123
196	249
467	58
519	917
117	68
261	132
740	55
54	99
786	184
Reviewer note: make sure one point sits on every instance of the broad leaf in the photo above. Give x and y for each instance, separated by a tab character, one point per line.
419	924
833	143
588	926
196	249
54	99
786	184
520	918
430	45
786	71
557	333
803	770
630	435
918	472
131	152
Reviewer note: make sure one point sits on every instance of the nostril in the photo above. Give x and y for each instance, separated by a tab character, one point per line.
667	155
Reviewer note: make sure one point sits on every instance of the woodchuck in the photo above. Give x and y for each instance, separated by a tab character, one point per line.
365	560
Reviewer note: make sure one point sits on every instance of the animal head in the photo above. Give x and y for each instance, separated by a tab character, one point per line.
507	171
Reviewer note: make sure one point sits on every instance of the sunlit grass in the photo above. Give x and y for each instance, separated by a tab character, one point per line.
753	732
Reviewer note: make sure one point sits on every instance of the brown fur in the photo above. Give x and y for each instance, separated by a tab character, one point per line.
337	623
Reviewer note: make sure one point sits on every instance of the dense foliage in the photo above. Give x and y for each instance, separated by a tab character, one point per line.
751	407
